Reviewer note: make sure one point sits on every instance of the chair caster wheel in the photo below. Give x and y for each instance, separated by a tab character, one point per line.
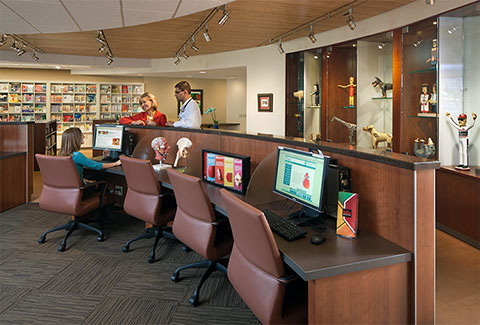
194	301
186	249
125	249
101	238
61	248
41	240
174	278
151	259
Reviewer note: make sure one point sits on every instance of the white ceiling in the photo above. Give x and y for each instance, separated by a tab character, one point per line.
56	16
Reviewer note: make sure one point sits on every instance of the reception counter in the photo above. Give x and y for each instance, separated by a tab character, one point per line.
396	202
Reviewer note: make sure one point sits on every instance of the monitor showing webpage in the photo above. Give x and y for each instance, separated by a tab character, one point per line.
300	176
108	137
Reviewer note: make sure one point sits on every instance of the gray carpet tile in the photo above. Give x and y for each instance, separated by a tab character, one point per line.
96	283
92	275
50	308
31	272
205	314
152	281
119	310
10	295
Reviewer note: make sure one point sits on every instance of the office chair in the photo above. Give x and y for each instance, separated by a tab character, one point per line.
256	269
197	226
144	200
63	192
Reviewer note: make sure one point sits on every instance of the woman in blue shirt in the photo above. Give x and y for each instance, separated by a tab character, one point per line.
72	139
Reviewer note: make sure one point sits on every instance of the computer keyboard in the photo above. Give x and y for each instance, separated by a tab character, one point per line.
283	227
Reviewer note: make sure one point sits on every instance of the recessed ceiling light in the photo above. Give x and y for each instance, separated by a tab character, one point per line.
57	67
202	72
315	57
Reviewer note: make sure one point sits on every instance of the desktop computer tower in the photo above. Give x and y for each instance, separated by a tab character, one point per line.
338	180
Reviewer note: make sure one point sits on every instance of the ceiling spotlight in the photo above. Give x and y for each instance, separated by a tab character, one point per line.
3	40
417	43
311	35
184	54
110	61
193	46
206	35
34	55
350	21
430	2
101	49
452	30
177	59
381	46
21	51
225	16
14	46
280	47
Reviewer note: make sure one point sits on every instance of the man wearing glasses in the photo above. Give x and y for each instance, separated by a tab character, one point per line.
189	116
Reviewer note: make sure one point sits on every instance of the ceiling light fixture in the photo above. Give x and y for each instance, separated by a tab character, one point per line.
280	47
3	40
381	46
193	46
202	28
21	51
350	20
184	54
311	35
34	55
225	16
339	11
430	2
105	47
417	43
206	35
452	30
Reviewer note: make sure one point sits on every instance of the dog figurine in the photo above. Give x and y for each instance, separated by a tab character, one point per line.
383	86
378	137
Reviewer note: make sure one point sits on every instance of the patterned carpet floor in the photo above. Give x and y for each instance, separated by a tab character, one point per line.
94	282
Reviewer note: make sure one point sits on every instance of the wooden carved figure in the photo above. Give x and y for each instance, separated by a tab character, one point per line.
378	137
351	92
352	129
462	128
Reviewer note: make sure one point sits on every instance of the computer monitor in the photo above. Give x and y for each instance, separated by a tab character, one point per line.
108	137
300	176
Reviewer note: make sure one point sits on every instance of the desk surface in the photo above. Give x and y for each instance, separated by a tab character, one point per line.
336	256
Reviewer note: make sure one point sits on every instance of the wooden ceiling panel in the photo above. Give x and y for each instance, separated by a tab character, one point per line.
251	23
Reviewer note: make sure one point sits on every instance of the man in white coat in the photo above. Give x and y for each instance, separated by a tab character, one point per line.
189	116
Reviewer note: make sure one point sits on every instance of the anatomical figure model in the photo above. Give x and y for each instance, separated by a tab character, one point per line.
161	148
183	145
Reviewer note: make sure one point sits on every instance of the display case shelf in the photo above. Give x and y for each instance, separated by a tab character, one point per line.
377	98
431	69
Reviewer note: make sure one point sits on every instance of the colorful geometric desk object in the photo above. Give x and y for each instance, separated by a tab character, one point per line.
347	215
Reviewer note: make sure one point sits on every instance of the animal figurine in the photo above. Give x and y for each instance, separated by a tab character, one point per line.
378	137
383	86
422	150
352	129
183	145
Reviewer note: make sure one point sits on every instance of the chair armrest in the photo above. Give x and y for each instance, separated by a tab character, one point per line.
83	187
288	278
219	221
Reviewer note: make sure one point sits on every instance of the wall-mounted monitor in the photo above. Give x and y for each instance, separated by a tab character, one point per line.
227	170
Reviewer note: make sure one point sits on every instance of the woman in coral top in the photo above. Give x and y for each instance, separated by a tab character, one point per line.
149	116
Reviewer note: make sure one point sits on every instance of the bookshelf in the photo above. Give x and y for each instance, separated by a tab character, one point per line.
73	104
45	139
118	100
23	101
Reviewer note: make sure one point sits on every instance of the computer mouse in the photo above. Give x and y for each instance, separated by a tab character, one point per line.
318	239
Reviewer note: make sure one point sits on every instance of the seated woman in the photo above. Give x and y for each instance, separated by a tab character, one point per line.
72	139
149	116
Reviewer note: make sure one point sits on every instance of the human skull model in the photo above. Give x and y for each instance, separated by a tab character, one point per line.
161	148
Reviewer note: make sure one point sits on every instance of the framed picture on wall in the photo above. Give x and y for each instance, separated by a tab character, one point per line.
197	95
265	102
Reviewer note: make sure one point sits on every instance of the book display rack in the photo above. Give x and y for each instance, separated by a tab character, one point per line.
23	101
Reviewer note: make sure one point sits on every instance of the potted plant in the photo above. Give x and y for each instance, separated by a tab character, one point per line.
214	116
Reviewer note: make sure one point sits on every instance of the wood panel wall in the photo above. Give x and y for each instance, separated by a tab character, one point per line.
12	182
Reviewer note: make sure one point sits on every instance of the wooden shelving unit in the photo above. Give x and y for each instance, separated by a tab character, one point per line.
45	139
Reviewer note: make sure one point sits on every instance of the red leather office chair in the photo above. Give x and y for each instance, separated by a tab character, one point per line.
145	201
64	192
197	226
256	269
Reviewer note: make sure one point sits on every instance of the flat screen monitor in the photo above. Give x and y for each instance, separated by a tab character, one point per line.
300	176
108	137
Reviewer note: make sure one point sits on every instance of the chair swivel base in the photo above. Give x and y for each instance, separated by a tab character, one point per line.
149	233
209	265
70	227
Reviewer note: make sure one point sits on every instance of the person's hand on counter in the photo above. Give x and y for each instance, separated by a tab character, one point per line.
169	123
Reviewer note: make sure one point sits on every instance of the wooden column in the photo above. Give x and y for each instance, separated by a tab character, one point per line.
397	89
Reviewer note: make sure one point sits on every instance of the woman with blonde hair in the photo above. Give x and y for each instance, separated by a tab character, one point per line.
150	114
72	139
